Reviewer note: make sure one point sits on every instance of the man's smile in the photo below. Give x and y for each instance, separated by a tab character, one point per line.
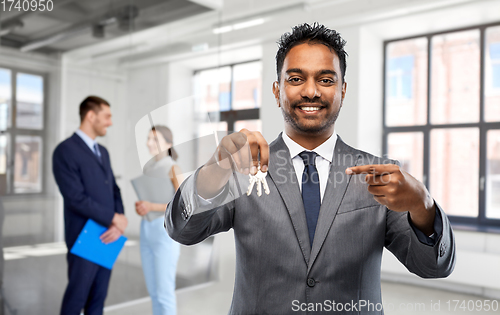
310	109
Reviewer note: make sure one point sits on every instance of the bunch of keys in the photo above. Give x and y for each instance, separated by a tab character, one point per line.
258	179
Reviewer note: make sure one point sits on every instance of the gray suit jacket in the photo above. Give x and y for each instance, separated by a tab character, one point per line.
277	271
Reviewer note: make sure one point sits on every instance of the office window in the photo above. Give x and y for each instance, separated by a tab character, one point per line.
493	174
442	118
492	75
232	97
406	88
455	77
22	105
246	86
29	108
233	93
400	77
407	147
495	64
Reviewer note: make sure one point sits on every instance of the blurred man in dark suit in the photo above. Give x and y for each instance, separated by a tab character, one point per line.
83	173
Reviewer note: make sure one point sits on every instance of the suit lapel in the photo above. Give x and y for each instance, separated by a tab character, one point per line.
343	157
280	170
87	150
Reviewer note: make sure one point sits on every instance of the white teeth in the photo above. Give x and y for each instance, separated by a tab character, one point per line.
310	109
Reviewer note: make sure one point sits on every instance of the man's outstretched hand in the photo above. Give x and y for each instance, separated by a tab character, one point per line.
399	191
241	151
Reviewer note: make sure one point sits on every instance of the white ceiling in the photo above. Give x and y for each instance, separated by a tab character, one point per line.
69	24
176	40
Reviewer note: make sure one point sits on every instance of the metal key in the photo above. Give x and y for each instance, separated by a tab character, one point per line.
258	179
252	183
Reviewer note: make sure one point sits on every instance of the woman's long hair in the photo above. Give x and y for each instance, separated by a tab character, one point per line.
167	135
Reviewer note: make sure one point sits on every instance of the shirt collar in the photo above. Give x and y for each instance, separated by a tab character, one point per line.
325	150
88	140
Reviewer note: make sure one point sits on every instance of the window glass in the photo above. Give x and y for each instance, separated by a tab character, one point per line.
5	99
455	65
29	104
493	175
4	142
406	83
27	164
250	124
492	75
208	135
214	89
408	149
454	169
247	85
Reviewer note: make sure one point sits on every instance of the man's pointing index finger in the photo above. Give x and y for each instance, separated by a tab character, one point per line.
375	169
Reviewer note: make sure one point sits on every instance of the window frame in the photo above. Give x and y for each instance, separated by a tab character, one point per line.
481	222
13	132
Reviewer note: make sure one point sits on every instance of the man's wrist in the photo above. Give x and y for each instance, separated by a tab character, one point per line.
211	179
115	218
423	218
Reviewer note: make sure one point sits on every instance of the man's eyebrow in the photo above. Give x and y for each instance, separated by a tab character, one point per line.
328	72
294	70
321	72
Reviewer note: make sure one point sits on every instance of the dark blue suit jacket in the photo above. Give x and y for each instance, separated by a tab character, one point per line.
87	185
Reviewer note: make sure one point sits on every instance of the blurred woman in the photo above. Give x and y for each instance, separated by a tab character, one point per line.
159	253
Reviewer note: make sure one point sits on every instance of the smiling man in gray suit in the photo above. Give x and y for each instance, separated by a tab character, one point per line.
314	243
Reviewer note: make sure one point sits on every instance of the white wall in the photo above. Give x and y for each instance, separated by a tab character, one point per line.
146	90
79	82
270	113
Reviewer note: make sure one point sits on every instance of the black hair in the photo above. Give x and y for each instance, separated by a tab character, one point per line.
315	33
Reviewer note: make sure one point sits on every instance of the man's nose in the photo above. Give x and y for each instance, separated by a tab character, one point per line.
310	90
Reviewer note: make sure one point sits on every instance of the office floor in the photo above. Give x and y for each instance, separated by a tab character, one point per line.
35	285
35	278
399	299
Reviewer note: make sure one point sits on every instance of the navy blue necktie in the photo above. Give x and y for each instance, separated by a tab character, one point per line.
310	191
97	152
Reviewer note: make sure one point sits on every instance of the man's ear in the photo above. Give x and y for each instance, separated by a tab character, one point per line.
91	115
276	92
344	89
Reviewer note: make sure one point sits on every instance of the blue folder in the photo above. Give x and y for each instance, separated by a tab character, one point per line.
89	246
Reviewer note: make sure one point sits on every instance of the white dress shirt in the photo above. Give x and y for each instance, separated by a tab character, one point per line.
91	143
323	159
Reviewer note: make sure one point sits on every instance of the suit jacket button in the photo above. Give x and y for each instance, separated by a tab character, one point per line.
311	282
442	250
106	182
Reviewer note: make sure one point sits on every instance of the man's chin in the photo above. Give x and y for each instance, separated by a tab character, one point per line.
310	129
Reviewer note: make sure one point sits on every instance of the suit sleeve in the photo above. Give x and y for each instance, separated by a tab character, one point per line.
116	190
436	261
189	221
66	173
118	198
423	257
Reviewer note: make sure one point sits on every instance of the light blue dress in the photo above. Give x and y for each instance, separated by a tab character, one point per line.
159	253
